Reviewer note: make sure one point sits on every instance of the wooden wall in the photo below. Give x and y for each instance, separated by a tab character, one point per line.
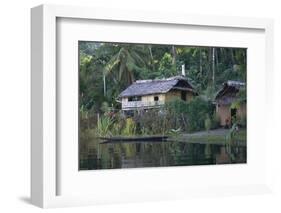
148	100
224	113
177	94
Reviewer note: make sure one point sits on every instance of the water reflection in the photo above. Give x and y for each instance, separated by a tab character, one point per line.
96	155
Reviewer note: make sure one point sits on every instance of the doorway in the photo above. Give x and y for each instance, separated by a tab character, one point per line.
233	113
183	95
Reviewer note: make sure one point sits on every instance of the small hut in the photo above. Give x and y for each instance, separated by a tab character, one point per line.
147	94
225	100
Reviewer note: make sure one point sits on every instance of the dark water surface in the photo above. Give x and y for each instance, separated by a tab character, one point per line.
96	155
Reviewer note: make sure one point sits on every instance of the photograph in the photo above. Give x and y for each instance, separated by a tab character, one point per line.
161	105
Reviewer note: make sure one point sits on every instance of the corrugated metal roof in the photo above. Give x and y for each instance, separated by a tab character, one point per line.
148	87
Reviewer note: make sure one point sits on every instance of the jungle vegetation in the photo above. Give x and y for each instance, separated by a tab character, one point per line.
106	69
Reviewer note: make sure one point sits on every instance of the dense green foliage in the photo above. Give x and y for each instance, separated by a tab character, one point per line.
191	115
120	64
108	68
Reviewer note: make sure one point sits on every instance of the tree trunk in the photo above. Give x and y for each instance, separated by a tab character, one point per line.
174	55
232	57
200	63
151	57
213	66
217	58
104	85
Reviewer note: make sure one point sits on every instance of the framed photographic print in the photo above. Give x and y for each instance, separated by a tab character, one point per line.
147	105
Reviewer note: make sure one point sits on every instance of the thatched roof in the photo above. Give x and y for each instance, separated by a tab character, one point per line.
158	86
229	91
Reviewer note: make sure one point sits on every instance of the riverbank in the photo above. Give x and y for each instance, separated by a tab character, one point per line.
217	136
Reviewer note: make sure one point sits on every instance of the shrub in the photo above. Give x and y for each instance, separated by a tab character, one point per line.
242	121
105	107
175	132
104	125
197	110
119	122
177	114
130	127
175	117
189	116
208	123
215	121
147	122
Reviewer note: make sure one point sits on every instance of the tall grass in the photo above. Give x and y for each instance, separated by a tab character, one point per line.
130	127
104	125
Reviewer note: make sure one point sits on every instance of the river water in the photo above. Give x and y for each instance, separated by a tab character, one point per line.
95	155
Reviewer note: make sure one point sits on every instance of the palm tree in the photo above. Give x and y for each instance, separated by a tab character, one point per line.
124	65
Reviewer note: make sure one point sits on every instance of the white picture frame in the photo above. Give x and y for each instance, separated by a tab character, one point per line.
44	149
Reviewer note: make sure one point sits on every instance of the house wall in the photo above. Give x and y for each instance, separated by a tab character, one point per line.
177	94
189	96
148	100
224	113
242	111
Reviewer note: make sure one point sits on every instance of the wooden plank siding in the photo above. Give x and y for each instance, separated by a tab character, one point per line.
147	101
